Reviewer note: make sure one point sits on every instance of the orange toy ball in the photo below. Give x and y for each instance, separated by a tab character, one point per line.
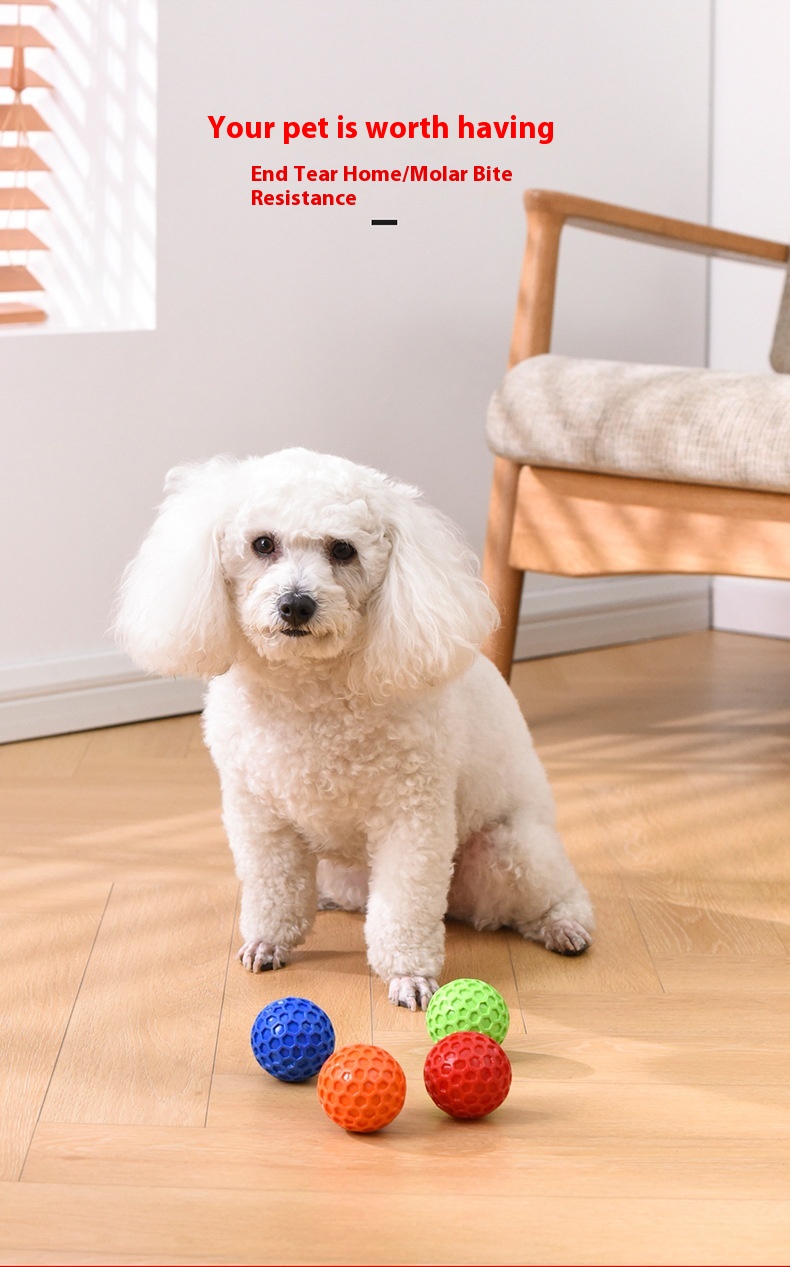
362	1088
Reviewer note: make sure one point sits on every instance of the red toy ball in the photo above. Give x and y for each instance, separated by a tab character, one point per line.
467	1074
362	1088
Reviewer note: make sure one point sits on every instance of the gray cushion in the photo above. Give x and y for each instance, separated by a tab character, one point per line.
653	421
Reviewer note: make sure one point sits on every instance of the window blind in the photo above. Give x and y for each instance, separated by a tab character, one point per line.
18	159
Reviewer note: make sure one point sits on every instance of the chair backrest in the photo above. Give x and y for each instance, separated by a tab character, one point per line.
780	350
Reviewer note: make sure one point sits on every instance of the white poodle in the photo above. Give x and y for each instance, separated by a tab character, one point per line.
370	757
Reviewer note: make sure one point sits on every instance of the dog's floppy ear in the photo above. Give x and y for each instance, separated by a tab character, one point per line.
174	614
432	612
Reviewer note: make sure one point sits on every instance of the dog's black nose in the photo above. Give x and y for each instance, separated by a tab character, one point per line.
296	609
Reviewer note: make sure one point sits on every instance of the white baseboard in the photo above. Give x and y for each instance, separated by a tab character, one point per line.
53	697
579	615
751	606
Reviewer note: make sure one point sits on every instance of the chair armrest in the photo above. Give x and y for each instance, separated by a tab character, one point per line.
548	212
604	217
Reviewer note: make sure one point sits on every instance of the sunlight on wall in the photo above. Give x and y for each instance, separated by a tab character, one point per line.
100	270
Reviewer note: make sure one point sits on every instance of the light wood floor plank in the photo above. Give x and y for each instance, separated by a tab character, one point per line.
88	817
53	1258
753	1018
708	973
44	958
239	1098
146	1020
304	1142
782	931
706	699
733	822
337	1228
756	901
167	739
671	928
48	759
572	1055
54	886
106	833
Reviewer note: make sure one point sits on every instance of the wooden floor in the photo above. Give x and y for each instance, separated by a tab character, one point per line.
649	1120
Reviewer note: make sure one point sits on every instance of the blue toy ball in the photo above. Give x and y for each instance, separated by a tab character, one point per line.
291	1038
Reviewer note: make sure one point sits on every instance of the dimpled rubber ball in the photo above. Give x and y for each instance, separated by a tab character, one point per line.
467	1074
291	1038
362	1088
467	1004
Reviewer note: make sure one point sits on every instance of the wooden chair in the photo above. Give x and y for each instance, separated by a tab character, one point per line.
586	522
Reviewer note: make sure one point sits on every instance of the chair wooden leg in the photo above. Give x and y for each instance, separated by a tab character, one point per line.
504	582
531	336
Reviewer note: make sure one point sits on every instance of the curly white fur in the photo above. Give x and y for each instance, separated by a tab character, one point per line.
369	756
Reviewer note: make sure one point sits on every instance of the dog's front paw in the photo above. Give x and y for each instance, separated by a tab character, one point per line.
412	992
262	956
566	937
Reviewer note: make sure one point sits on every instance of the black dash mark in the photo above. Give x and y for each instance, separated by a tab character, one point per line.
383	222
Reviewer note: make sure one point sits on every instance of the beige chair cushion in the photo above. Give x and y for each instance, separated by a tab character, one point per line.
653	421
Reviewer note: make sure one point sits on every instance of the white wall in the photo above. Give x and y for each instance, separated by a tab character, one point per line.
750	194
304	326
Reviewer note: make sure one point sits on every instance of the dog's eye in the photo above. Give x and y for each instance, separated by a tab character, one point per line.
263	545
342	551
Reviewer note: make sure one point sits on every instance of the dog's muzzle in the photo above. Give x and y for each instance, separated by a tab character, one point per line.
296	610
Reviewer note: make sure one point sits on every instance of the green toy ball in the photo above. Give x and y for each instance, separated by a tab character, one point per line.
467	1004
